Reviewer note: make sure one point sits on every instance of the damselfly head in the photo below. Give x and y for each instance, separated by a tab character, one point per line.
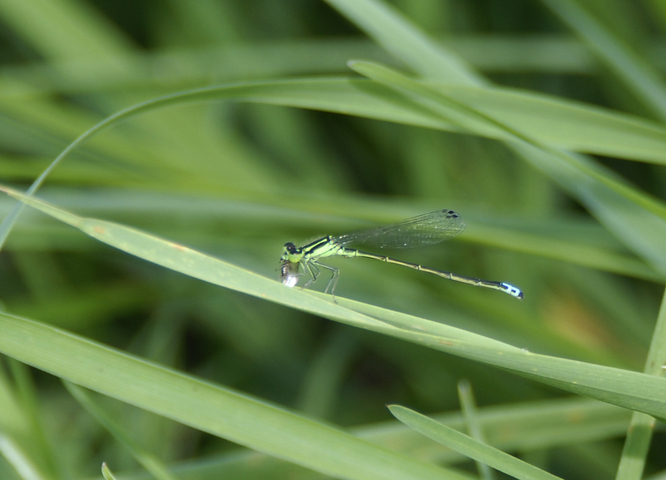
292	253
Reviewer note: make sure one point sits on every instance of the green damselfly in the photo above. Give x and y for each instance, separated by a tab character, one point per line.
420	231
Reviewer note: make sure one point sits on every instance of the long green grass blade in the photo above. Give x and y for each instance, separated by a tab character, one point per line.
204	406
632	390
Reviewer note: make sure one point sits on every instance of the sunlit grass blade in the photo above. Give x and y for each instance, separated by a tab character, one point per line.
632	390
468	446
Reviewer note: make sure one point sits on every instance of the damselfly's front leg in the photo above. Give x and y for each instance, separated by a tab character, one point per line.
335	273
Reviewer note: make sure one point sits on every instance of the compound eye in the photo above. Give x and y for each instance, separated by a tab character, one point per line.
290	247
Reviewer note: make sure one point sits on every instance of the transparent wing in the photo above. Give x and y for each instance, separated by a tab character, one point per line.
427	229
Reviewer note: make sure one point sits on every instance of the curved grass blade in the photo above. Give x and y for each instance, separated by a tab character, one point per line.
586	128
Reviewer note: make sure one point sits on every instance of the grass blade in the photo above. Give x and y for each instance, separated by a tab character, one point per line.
642	426
405	41
209	408
468	446
470	413
624	388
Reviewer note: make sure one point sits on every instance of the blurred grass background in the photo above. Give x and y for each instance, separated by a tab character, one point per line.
237	180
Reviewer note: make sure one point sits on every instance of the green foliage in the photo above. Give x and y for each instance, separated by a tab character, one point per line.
237	129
